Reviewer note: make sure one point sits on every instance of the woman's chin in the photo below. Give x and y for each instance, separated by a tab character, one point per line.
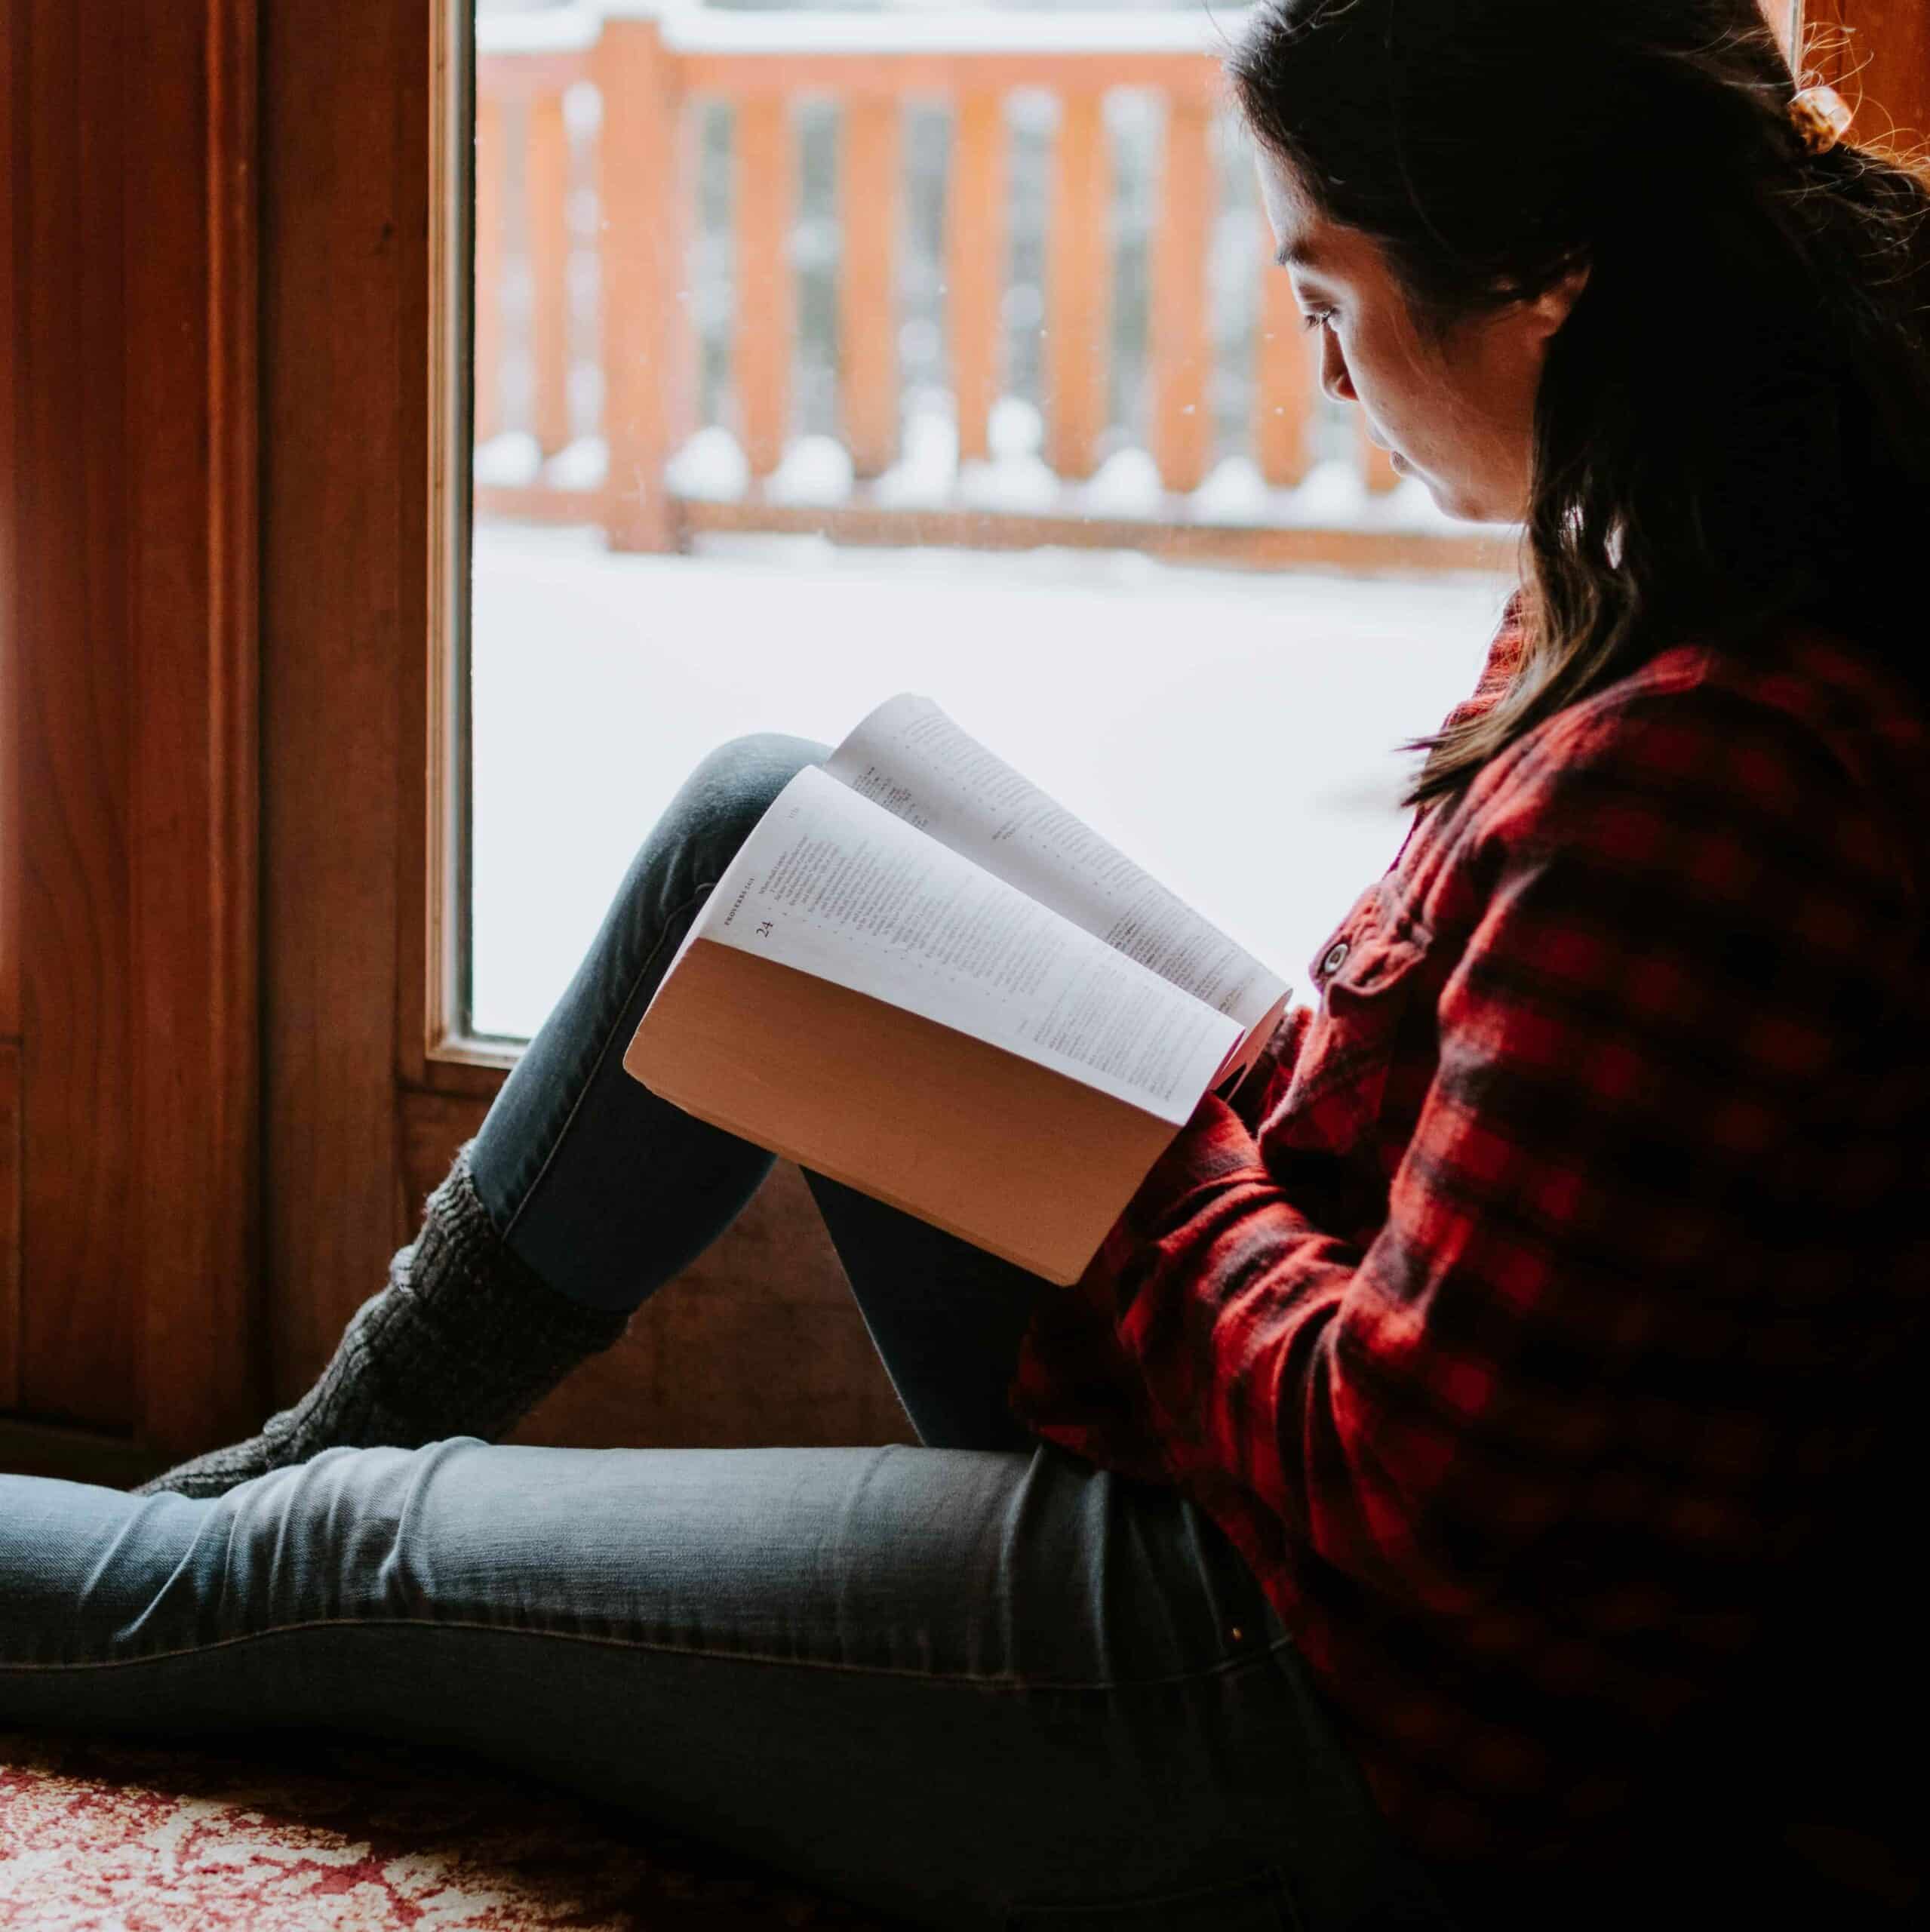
1455	503
1405	470
1466	504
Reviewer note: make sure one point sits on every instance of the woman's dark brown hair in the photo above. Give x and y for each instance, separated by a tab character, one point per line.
1734	421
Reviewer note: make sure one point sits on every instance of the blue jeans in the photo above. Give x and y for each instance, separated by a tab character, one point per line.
977	1683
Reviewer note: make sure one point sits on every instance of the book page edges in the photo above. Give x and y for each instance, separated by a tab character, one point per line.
1016	1158
1245	1051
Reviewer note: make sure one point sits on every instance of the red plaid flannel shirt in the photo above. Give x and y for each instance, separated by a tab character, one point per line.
1517	1335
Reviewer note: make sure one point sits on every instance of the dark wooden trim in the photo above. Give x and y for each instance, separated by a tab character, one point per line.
74	1455
75	148
12	1147
467	1068
430	1128
432	856
192	608
127	737
346	563
12	1127
11	265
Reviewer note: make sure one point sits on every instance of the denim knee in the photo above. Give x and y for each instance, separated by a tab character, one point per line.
731	788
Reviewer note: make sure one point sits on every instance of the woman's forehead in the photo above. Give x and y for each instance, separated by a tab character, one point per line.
1305	239
1309	243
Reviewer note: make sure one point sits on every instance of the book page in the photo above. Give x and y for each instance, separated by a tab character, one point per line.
910	758
835	885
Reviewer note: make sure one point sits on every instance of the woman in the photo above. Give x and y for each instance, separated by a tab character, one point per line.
1399	1522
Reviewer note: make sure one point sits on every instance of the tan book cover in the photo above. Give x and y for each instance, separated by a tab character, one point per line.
923	977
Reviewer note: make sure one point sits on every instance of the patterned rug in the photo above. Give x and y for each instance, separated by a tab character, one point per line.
302	1833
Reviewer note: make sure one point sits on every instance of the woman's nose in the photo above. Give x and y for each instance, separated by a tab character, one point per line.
1333	370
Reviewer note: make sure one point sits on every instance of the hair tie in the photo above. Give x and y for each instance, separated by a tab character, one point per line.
1820	117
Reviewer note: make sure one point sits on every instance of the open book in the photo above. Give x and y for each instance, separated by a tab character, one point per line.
921	976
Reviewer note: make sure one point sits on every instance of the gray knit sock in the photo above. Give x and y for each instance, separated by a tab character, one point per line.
464	1341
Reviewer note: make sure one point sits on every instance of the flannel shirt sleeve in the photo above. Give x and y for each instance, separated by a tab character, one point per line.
1687	919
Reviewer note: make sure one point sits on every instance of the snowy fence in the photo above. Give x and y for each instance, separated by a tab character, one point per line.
978	277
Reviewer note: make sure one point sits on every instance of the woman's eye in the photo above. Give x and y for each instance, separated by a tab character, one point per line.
1319	316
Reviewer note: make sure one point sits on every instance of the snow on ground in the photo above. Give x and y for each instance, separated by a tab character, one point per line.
694	27
1016	479
1230	731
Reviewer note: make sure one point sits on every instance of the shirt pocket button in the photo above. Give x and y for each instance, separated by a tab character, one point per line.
1336	959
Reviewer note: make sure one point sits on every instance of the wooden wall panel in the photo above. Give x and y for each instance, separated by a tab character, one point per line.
344	163
12	1124
188	468
757	1343
128	973
787	1357
34	1449
10	472
72	688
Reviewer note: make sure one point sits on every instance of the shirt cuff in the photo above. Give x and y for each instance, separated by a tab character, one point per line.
1214	1146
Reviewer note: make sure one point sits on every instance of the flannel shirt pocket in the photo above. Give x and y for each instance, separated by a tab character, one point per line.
1367	970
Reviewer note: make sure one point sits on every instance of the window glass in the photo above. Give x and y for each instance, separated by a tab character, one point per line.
823	354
